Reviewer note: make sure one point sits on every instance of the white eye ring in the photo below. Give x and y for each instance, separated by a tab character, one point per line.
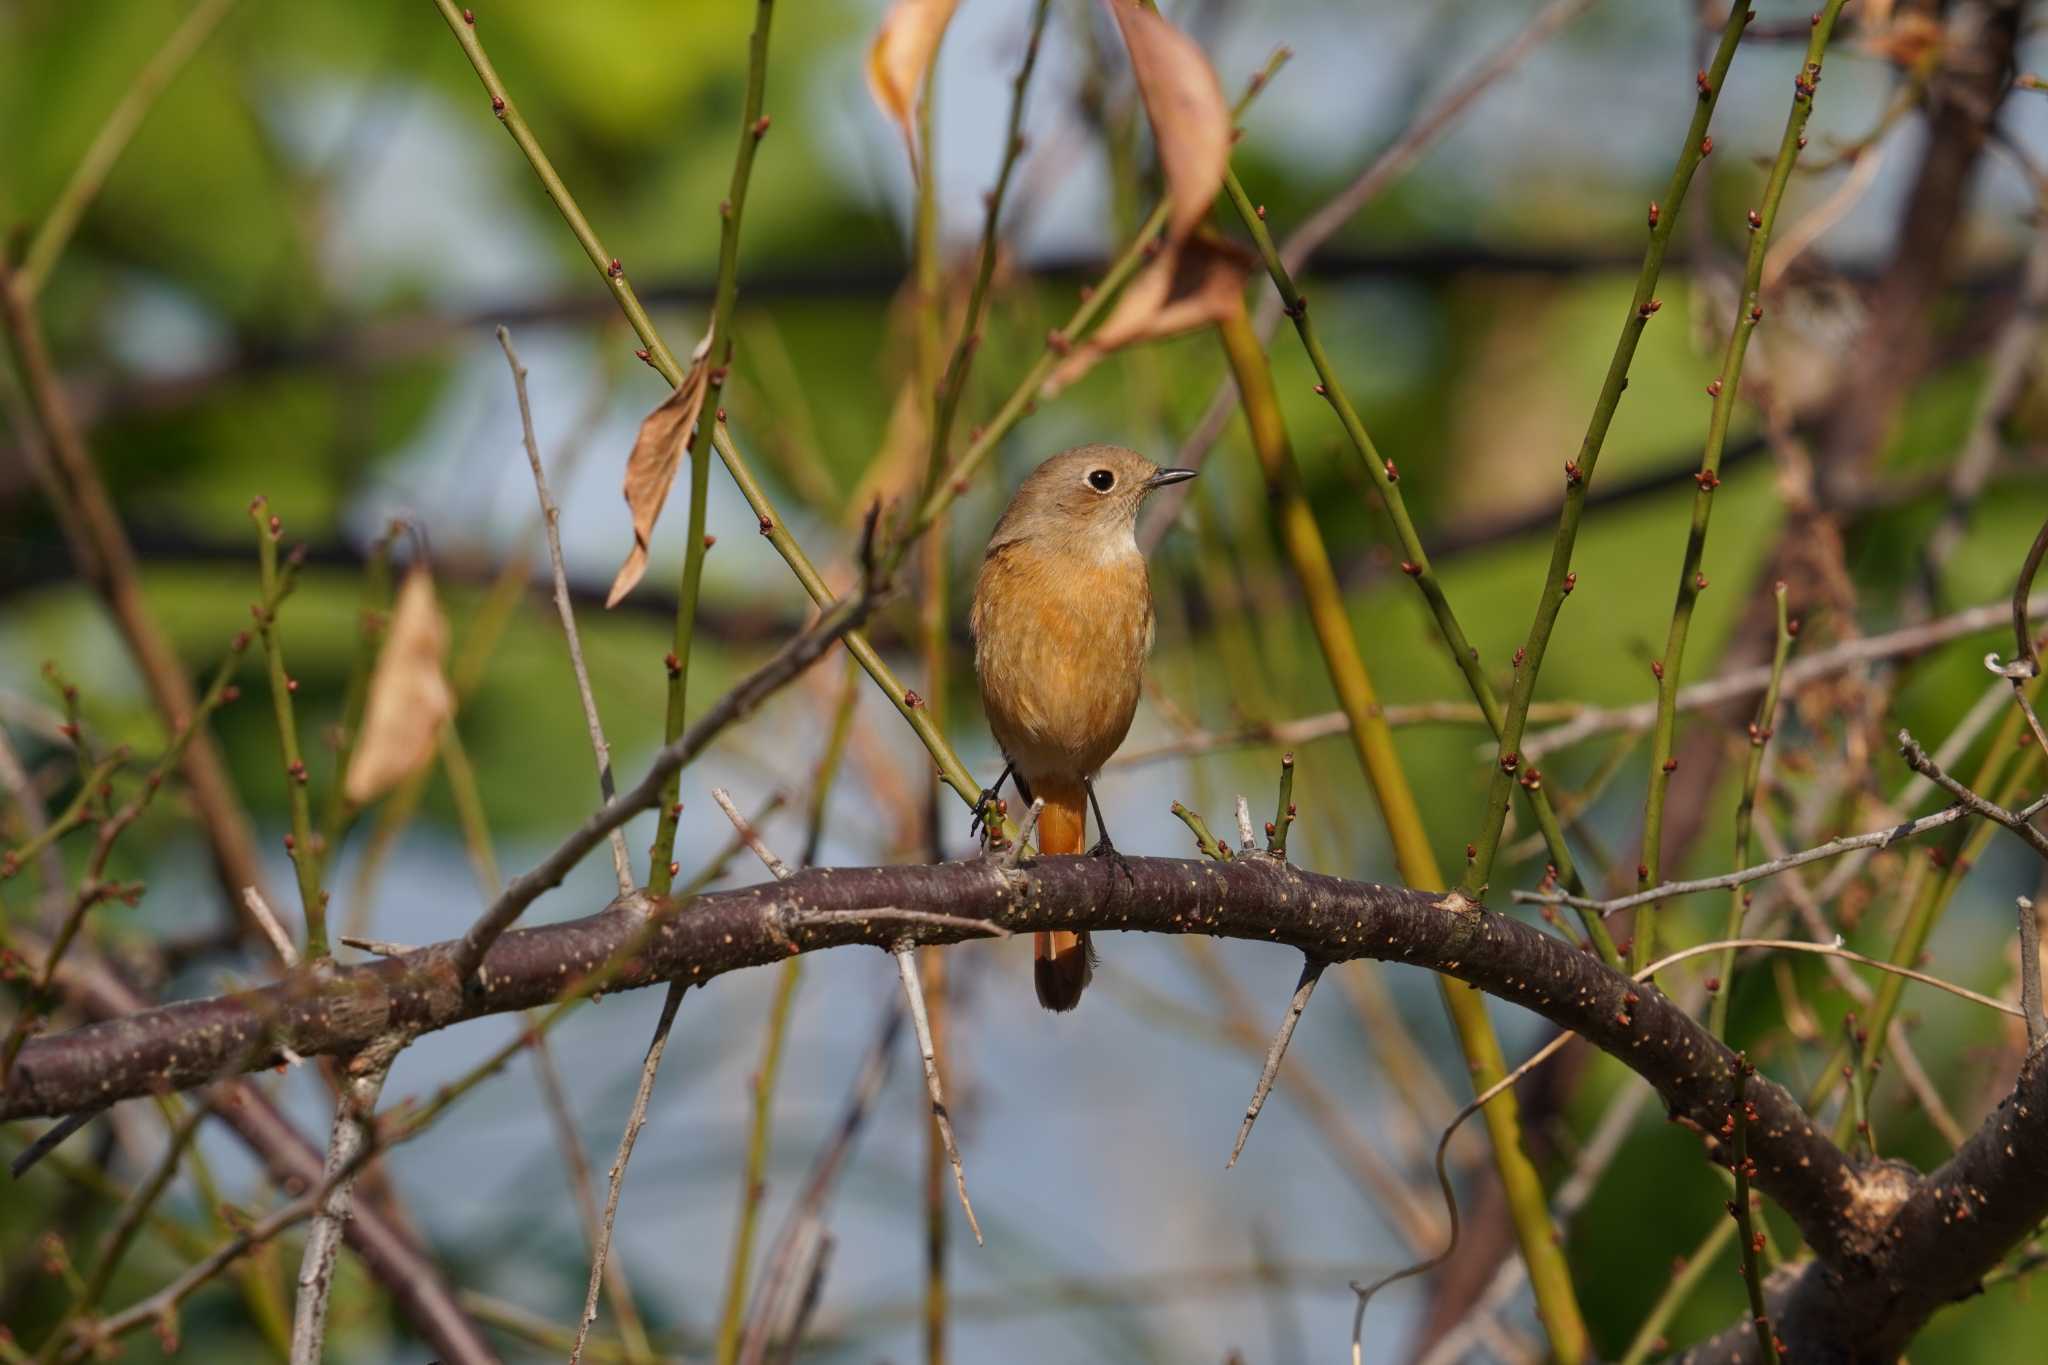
1102	480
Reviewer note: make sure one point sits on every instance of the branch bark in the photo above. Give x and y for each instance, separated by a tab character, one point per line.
1880	1232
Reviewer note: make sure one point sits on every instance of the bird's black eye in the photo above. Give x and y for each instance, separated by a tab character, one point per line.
1102	480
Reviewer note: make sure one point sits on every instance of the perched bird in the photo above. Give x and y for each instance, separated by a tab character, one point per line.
1062	623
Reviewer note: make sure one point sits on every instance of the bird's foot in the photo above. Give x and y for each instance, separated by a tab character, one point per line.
1105	849
988	809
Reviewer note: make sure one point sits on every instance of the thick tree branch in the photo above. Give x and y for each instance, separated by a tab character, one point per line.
1892	1246
183	1045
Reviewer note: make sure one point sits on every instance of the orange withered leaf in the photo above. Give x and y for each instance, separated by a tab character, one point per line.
1201	283
408	697
901	57
1185	105
657	453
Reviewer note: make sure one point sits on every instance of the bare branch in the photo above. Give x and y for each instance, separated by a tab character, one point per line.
354	1108
1311	973
2016	821
636	1119
913	994
1834	848
273	928
550	516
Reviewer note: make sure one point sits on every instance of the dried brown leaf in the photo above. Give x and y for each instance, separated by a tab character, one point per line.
1906	42
901	57
1200	283
657	454
408	698
1184	101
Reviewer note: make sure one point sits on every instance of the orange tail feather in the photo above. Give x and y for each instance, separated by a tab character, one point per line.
1062	961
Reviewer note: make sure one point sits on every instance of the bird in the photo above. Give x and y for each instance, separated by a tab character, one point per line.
1062	623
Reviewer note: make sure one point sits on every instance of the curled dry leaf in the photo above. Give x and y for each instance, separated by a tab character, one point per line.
1193	280
1201	283
901	57
408	698
1185	105
657	454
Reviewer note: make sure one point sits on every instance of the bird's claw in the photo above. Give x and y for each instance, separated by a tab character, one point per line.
986	805
1105	849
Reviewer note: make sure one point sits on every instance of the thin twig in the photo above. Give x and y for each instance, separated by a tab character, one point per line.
913	995
1834	848
1726	389
750	836
2023	635
1856	1040
1247	842
1745	810
273	929
635	1120
113	137
1808	906
381	947
1311	973
1283	810
1748	682
1204	840
51	1138
306	853
1025	833
1751	1241
555	1096
753	126
2018	822
1409	145
1325	724
550	520
106	558
354	1110
2030	975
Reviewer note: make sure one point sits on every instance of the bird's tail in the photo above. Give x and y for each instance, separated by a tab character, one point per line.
1062	961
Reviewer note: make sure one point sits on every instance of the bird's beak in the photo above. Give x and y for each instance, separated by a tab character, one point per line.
1167	476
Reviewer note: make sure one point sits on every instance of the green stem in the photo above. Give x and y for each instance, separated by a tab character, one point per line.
1749	312
304	848
1559	579
113	138
1649	1337
1759	736
1205	842
1283	810
507	113
1745	1228
662	868
470	815
1549	1275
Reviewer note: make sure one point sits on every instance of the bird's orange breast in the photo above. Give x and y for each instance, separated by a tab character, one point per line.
1060	644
